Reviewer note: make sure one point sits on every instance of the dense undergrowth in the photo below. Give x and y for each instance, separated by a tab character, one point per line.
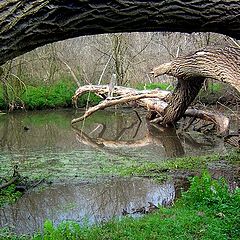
58	95
208	210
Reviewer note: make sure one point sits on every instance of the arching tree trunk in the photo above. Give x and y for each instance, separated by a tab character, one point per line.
25	25
221	64
182	97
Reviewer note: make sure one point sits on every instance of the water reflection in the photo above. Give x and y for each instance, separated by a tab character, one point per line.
164	138
109	129
95	202
51	146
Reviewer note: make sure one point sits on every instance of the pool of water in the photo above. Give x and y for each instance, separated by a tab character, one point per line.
85	203
45	141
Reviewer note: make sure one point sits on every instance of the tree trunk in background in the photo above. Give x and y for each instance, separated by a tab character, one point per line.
25	25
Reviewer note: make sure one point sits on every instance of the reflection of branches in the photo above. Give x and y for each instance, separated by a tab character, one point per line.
120	134
85	139
100	143
155	135
165	137
168	138
188	139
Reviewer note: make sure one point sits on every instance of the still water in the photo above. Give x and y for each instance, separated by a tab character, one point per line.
42	139
84	203
45	144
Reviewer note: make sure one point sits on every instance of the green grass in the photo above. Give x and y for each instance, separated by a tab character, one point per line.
191	163
209	96
215	87
208	210
58	95
151	86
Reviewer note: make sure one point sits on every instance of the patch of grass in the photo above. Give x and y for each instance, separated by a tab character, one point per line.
193	163
206	211
6	234
58	95
151	86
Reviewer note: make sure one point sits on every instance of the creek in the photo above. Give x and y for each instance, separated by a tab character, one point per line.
82	164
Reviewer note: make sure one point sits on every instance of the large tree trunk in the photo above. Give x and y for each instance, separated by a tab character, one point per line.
25	25
221	64
183	95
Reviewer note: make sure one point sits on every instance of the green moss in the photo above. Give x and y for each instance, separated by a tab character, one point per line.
9	195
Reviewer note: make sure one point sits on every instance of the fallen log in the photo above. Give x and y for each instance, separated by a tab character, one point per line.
154	101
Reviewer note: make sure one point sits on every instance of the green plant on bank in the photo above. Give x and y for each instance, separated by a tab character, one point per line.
151	86
49	96
9	195
213	87
208	210
191	163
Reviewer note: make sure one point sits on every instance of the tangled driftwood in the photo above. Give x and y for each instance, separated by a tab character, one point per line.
218	63
154	101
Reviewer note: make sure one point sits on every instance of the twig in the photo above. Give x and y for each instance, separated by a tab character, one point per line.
13	180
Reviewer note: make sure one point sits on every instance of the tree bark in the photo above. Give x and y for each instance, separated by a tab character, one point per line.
221	64
25	25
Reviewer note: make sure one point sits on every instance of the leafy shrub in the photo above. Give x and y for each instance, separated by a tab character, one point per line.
65	230
51	96
206	191
58	95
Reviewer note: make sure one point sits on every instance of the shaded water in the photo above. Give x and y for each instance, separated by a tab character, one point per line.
44	144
